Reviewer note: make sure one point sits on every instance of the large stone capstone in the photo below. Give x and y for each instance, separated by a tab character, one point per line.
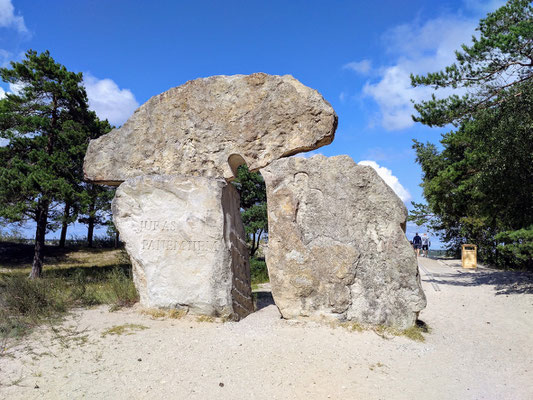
185	239
210	126
337	248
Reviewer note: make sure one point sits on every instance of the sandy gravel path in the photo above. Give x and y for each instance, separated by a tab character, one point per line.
480	347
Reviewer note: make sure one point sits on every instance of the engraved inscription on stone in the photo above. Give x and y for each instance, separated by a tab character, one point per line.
150	225
179	245
169	243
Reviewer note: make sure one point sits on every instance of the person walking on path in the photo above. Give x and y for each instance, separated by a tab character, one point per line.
426	243
417	243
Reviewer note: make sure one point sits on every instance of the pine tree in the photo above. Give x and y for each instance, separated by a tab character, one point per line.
96	208
45	125
500	60
252	190
479	187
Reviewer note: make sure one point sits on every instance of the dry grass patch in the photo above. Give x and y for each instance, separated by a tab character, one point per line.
26	303
205	318
414	333
157	313
127	329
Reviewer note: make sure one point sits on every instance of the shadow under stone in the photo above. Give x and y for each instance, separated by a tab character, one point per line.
263	298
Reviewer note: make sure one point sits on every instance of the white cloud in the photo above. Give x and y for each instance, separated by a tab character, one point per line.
4	58
16	88
483	6
362	67
308	154
108	100
8	19
419	48
2	93
342	97
391	180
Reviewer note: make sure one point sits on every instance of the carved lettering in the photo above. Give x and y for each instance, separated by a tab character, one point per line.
200	246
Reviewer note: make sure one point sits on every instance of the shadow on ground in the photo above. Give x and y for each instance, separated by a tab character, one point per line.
17	256
504	282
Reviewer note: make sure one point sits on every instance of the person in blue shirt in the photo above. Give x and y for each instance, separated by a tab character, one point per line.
417	243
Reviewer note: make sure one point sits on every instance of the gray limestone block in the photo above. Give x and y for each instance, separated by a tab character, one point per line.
186	242
210	126
337	248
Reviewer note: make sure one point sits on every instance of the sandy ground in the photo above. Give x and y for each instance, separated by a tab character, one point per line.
480	347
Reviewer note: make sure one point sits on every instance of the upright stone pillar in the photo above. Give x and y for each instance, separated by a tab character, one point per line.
337	249
186	243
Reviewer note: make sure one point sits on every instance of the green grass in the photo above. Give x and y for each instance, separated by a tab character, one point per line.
95	277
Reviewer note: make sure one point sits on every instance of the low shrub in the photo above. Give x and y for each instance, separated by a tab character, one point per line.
515	249
25	303
258	271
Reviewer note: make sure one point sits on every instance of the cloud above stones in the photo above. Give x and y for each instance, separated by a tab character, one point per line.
8	18
362	67
390	179
108	100
418	47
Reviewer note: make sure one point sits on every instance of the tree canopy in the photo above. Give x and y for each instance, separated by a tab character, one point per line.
252	190
499	59
479	187
48	125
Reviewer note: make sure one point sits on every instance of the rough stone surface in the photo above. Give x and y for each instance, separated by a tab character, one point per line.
203	126
184	236
337	248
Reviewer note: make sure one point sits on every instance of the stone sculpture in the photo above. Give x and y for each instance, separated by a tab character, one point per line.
179	218
186	243
337	248
210	126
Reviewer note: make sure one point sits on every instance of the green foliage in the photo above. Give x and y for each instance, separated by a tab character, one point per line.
258	271
481	183
31	298
44	125
515	248
501	58
255	219
252	190
26	303
48	127
95	200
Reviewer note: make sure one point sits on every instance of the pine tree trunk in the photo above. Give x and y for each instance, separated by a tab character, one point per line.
64	226
90	229
42	219
254	248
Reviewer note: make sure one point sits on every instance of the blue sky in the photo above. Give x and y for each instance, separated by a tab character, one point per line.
357	54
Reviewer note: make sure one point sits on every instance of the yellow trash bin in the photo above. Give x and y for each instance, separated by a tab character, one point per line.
469	256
